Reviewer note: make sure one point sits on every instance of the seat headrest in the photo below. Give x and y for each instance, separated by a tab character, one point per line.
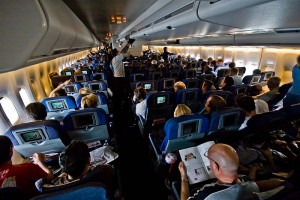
54	104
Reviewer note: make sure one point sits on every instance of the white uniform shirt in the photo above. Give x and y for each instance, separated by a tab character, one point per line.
140	108
117	63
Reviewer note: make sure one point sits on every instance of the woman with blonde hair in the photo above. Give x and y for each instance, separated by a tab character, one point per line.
182	109
85	90
89	101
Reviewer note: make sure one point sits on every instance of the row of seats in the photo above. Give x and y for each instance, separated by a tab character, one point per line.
48	136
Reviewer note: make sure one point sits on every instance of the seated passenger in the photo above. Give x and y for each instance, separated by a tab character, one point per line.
89	101
256	72
206	89
36	111
234	74
260	105
214	102
75	163
181	110
231	65
273	85
84	91
228	82
140	99
247	104
224	163
58	91
23	175
179	85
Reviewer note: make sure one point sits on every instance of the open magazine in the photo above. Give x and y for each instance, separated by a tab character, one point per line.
197	165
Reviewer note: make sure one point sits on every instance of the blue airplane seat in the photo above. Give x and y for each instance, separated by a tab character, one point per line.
98	86
189	97
160	106
58	107
166	84
156	76
191	83
237	89
251	79
91	190
102	101
242	71
223	72
40	136
136	77
149	85
99	76
88	125
226	95
189	73
228	119
72	89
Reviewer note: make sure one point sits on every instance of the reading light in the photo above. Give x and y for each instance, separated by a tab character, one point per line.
118	19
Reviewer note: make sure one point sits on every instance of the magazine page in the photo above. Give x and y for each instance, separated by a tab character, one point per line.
202	149
196	171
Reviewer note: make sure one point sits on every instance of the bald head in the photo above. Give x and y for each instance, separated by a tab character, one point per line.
227	159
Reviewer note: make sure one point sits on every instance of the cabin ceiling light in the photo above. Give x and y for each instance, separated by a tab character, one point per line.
118	19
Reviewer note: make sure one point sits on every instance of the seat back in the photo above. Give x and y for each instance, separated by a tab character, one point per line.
56	80
39	136
136	77
228	119
187	128
237	89
159	105
156	76
166	84
190	73
251	79
87	125
72	89
226	95
91	190
80	78
264	76
223	72
174	74
149	85
97	86
191	83
99	76
209	77
58	107
189	97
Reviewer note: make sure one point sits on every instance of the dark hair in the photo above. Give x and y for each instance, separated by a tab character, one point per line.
75	158
5	148
36	111
273	82
217	102
298	59
229	81
256	72
246	103
60	93
208	84
232	65
140	93
114	52
214	63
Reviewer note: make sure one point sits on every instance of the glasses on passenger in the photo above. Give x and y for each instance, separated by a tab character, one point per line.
206	155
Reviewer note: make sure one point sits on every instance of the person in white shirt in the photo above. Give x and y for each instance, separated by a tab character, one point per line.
140	97
247	104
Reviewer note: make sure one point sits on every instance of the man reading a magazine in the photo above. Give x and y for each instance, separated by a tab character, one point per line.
224	163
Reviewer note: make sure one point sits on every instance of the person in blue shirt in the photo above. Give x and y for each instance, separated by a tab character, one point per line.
293	95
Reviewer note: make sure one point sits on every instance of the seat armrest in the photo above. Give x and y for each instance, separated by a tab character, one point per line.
156	149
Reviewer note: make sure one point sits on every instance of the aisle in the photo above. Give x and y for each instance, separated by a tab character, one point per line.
135	166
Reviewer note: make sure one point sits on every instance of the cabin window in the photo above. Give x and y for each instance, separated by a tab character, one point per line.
24	96
9	110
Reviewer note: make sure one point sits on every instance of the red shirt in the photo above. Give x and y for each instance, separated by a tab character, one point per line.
22	176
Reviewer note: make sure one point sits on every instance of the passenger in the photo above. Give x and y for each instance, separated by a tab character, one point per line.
59	91
120	86
140	98
256	72
165	55
260	105
84	91
273	85
224	163
89	101
293	95
181	110
228	82
209	61
247	104
206	89
234	74
232	65
213	103
36	111
23	175
255	90
179	85
76	166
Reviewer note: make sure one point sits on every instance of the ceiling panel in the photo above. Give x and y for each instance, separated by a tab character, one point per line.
95	14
